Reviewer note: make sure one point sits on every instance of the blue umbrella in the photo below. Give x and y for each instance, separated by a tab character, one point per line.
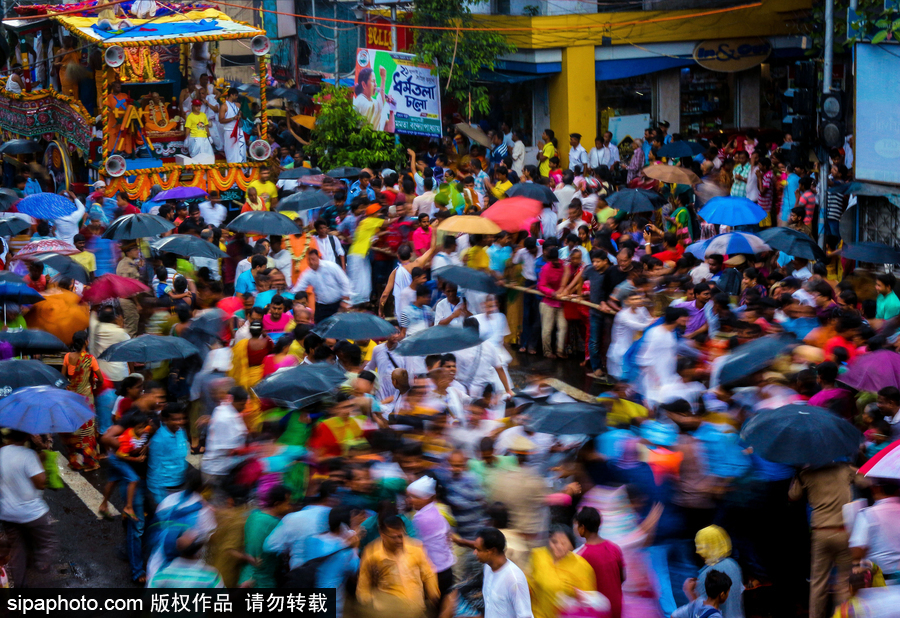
680	149
180	193
728	244
44	409
18	293
46	206
731	211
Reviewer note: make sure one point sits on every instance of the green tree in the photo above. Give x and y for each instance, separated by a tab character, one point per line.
343	137
457	54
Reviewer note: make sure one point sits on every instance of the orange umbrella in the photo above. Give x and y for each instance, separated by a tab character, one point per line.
511	212
60	313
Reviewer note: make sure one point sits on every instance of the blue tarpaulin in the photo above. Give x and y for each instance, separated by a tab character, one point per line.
160	29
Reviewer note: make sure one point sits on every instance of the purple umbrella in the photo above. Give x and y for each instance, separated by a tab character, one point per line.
179	193
873	371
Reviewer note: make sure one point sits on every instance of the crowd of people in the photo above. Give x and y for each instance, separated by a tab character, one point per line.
419	485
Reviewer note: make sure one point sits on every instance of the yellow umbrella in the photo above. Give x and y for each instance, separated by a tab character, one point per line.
671	174
466	224
305	121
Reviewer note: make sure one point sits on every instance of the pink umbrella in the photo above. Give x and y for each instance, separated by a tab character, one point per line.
509	213
885	464
873	371
46	246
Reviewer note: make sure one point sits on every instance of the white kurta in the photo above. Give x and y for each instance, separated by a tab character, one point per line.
372	110
215	129
658	361
235	145
626	324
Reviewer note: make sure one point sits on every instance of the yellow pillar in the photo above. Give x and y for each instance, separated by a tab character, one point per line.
573	100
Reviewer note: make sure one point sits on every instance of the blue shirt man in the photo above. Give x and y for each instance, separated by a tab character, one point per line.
32	187
361	185
168	450
246	281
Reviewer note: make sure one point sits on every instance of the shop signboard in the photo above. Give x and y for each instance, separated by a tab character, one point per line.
732	55
396	94
378	35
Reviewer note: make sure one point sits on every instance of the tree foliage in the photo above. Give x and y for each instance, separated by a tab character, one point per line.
458	55
343	137
869	22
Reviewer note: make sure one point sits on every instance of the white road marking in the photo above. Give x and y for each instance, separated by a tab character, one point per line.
83	489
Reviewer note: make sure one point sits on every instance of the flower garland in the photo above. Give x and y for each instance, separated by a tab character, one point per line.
308	238
154	110
169	177
264	125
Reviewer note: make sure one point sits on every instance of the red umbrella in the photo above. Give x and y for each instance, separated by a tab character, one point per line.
509	213
231	304
113	286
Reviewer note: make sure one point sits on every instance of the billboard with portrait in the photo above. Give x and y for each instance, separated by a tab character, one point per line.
397	95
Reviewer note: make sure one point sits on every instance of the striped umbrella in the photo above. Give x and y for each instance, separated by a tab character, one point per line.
728	244
885	464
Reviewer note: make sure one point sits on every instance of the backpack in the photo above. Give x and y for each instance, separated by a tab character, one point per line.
304	576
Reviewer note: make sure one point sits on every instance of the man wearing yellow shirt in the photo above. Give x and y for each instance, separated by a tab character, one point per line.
265	188
503	184
85	258
548	151
196	132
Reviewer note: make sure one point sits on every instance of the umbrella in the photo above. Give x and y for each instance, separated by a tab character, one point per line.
299	172
62	314
541	193
566	418
354	325
344	172
18	293
509	213
301	385
33	341
20	146
871	252
207	326
728	244
263	222
305	200
64	265
7	276
188	246
148	349
792	242
8	197
132	227
46	246
11	225
469	278
752	356
439	340
110	286
873	371
885	464
468	224
44	409
474	133
46	206
732	211
671	174
635	200
179	193
801	435
19	373
677	150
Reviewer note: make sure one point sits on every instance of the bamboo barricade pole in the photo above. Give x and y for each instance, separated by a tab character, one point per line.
576	301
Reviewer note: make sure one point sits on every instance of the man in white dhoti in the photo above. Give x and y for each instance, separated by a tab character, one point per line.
658	358
232	135
211	109
196	132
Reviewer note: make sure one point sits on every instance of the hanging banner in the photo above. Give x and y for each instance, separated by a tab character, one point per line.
397	95
46	111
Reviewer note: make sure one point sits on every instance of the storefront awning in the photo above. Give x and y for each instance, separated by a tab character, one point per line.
506	77
617	69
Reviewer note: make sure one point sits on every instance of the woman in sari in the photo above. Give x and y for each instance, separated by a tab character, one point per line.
84	377
248	357
280	357
555	572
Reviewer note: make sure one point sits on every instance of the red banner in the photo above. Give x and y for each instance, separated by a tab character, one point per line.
378	34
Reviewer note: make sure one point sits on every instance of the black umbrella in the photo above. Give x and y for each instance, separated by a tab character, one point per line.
469	278
355	325
188	246
304	200
149	349
299	172
301	385
871	252
344	172
680	149
11	277
208	325
8	197
801	435
753	356
11	225
33	341
264	222
64	265
542	193
132	227
19	373
561	419
635	200
793	243
439	340
20	146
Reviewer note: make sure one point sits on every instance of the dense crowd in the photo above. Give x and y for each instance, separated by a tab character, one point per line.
422	484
